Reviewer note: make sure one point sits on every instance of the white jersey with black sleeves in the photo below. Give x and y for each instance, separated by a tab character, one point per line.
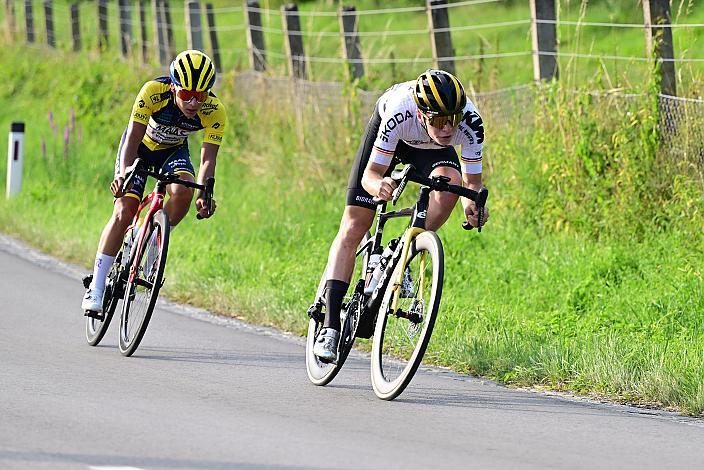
400	121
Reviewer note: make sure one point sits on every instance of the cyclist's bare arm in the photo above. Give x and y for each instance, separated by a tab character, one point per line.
472	181
375	183
208	156
134	136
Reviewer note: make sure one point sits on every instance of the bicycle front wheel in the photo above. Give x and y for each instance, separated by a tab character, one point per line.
402	335
144	280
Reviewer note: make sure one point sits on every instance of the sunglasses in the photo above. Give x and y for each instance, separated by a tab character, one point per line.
439	121
188	95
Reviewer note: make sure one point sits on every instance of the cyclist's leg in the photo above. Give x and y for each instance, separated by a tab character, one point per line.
111	238
180	197
356	220
442	203
354	225
435	162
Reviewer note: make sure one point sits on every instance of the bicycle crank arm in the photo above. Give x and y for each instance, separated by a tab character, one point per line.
411	316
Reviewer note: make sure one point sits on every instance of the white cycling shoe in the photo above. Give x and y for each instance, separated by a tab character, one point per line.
326	344
93	300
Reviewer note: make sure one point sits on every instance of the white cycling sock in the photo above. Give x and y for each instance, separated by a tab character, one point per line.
101	270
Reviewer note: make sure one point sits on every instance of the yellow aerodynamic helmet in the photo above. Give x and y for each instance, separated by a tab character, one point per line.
192	70
439	92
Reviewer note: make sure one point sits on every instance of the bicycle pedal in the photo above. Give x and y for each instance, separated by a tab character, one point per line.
97	315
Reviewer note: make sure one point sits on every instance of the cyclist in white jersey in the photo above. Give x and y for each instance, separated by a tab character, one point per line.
415	122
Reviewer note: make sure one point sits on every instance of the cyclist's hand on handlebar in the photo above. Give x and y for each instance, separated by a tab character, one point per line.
471	213
116	186
202	208
386	189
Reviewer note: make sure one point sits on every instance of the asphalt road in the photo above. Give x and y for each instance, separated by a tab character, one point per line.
208	392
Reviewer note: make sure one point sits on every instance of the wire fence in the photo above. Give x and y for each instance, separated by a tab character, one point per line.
494	53
681	119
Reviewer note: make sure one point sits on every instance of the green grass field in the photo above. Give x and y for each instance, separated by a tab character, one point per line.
587	278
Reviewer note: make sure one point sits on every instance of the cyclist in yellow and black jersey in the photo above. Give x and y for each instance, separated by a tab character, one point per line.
166	111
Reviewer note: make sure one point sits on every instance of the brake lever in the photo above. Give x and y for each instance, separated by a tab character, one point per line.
132	171
480	202
209	189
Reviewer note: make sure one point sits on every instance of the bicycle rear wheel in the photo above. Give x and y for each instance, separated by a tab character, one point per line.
143	283
320	372
401	336
114	289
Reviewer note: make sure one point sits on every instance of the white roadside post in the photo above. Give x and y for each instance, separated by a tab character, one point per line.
15	151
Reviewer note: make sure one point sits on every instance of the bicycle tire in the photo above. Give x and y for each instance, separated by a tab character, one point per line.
319	372
95	328
132	330
392	335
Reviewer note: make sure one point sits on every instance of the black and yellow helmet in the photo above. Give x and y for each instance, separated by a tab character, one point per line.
439	92
192	70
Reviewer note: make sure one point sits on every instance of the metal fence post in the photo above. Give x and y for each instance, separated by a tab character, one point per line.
255	36
213	36
194	31
125	12
658	40
294	41
440	38
10	19
350	41
143	29
102	25
49	22
170	47
158	14
75	27
544	34
29	20
15	151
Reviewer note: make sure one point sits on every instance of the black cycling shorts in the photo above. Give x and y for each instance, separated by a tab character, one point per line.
425	161
169	161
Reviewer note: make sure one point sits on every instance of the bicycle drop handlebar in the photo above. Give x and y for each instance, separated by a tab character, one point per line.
139	167
408	173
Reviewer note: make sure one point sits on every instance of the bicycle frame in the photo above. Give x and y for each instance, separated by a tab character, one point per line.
155	201
416	226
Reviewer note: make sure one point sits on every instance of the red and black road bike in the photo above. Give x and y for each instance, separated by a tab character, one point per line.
137	273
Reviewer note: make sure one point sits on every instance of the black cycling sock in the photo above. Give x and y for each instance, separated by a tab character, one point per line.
335	291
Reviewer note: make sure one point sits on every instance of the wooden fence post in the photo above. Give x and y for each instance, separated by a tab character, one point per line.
255	36
544	33
350	41
75	27
102	25
125	11
658	40
194	30
294	41
213	36
29	20
143	29
160	45
440	38
10	19
49	22
169	30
